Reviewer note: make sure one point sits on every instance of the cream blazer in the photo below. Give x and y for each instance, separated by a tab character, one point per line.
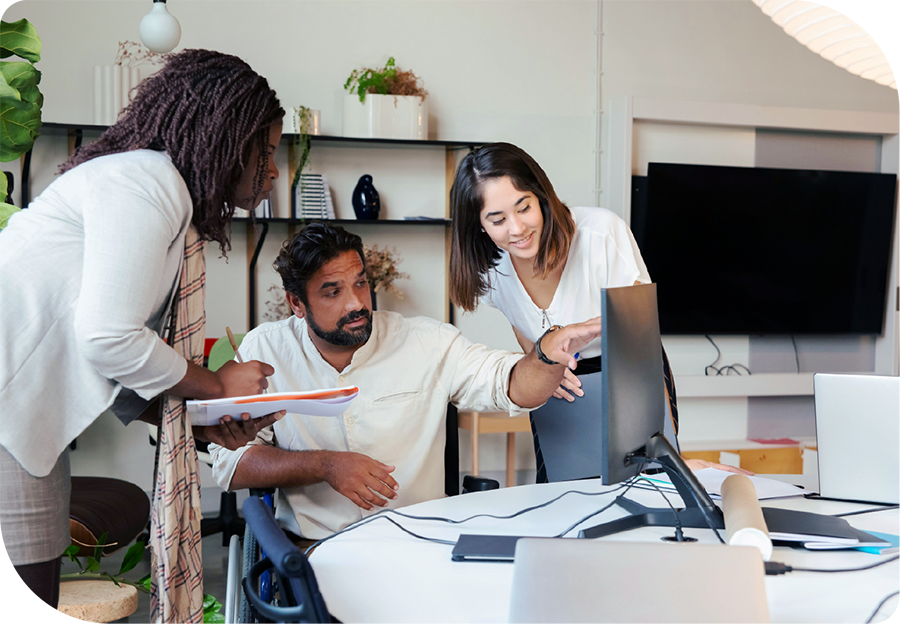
86	276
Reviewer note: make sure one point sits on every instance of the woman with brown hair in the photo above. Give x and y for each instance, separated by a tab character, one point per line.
518	248
103	291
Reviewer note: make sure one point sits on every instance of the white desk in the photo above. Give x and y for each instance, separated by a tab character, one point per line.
377	573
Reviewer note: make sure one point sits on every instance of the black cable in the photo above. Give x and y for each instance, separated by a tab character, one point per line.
796	353
881	604
865	511
724	369
679	530
774	568
699	505
630	483
382	512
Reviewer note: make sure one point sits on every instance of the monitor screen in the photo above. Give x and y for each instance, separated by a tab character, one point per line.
738	250
632	395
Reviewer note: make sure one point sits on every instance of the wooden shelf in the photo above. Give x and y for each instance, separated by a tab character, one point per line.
762	384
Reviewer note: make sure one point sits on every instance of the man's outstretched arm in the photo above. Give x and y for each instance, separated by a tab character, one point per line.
533	381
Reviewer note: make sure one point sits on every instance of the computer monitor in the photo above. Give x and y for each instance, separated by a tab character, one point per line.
632	414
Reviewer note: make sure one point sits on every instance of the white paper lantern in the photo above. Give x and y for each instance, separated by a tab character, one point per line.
833	36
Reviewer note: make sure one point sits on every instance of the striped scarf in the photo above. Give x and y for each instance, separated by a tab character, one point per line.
177	566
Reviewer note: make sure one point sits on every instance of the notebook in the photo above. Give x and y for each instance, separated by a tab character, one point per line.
857	431
577	580
501	548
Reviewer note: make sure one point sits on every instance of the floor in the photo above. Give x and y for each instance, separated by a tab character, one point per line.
215	559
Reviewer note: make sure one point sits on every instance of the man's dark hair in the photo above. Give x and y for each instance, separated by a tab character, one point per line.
311	249
206	110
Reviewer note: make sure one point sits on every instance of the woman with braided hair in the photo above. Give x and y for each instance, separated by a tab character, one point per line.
102	294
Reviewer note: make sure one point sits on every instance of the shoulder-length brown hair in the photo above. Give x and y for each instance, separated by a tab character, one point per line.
206	110
472	252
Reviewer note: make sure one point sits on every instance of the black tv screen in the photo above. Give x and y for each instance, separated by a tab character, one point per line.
740	250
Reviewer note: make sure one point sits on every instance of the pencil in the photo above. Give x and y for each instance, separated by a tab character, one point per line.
234	345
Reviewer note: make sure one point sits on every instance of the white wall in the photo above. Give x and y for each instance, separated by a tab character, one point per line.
520	71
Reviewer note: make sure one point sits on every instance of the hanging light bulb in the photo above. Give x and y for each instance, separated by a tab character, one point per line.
159	30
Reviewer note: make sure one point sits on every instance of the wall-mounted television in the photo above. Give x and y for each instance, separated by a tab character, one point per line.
748	250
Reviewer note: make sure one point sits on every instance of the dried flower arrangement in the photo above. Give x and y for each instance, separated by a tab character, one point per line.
381	269
133	54
277	307
389	80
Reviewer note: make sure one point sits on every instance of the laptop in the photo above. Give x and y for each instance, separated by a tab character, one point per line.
577	580
857	432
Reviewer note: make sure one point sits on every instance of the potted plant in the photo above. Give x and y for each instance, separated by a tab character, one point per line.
387	103
20	113
381	271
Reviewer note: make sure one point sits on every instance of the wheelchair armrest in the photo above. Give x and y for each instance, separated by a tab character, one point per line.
287	558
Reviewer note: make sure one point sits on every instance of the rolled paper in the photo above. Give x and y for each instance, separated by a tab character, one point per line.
744	522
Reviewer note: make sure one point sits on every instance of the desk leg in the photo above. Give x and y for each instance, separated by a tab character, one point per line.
510	459
475	432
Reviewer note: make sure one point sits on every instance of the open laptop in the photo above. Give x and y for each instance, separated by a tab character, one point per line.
857	432
576	580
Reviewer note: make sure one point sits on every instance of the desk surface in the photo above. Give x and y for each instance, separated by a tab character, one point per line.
377	573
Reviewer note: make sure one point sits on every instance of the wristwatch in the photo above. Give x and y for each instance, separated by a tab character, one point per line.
537	346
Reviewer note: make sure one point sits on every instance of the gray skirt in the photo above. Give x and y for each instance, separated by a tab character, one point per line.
34	511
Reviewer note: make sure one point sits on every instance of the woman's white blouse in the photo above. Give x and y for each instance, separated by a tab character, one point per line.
86	275
603	254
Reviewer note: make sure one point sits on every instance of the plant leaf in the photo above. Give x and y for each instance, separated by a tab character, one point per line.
92	564
20	81
72	551
19	124
147	583
101	542
208	601
214	618
132	557
21	39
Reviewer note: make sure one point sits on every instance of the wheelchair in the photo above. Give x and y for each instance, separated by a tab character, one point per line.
269	579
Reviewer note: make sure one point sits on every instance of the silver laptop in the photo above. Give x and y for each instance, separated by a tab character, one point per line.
857	431
579	580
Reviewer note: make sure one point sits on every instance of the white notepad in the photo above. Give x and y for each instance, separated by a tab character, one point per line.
328	402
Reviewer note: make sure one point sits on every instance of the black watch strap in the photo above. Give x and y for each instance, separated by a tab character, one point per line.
537	346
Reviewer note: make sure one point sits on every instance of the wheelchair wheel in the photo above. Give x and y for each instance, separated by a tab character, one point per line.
247	613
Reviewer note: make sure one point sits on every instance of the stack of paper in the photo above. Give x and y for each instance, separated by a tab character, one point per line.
711	479
329	402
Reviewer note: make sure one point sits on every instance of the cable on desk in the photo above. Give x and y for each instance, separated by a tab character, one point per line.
865	511
881	604
775	568
382	514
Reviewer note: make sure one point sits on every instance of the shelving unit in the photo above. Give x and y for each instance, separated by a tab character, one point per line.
256	235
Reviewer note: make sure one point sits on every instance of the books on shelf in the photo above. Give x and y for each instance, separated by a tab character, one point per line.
312	197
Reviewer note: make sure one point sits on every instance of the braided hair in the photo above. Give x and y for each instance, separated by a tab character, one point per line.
206	110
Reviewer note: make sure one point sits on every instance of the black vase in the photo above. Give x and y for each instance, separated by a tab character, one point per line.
366	203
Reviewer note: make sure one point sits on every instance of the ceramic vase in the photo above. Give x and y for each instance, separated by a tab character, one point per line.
112	91
366	202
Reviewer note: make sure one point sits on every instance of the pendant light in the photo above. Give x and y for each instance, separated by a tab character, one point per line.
159	30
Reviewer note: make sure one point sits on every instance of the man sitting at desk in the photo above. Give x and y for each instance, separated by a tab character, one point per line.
388	447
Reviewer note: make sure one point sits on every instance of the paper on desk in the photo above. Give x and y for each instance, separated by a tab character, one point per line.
328	402
712	478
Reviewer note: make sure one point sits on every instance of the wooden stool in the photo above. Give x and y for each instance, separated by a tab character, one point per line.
495	422
97	601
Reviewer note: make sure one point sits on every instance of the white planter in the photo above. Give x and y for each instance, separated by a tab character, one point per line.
386	117
112	89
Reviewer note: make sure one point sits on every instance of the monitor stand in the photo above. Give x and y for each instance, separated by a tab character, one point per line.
699	512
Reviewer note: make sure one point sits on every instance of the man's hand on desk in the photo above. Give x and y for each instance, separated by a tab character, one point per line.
700	464
360	478
233	433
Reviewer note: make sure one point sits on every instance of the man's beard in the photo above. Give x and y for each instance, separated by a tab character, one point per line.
341	337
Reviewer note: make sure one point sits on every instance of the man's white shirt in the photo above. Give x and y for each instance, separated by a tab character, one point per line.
407	373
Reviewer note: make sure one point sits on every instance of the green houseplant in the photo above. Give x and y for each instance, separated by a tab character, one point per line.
386	102
20	98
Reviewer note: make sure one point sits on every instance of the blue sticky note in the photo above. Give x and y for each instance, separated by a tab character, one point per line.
876	550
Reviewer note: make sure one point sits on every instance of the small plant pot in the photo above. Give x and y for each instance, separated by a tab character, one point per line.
386	117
